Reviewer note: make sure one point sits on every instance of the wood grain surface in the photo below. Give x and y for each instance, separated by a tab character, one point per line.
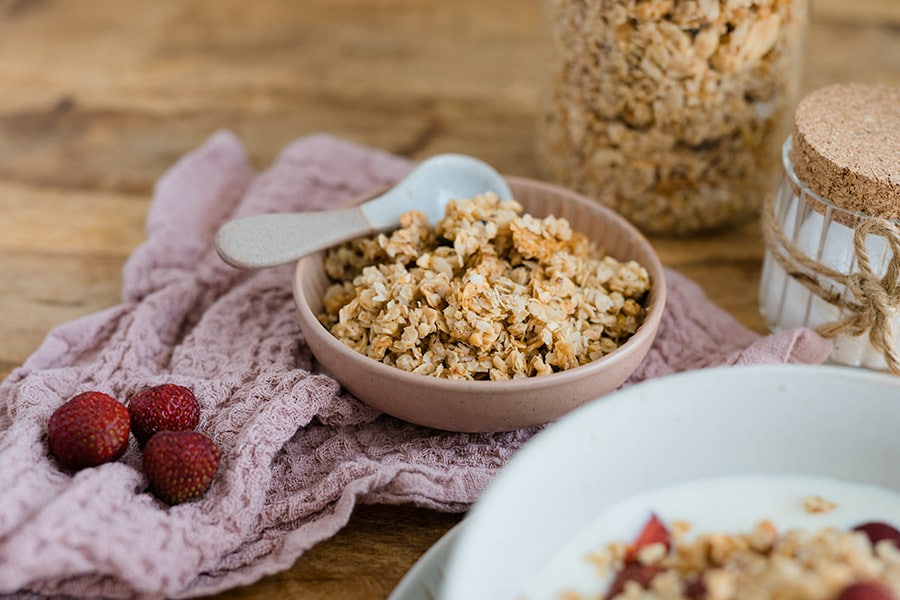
99	97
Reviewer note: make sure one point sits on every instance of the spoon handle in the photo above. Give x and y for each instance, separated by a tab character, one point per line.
273	239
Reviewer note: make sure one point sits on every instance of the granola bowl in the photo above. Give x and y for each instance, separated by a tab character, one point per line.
493	405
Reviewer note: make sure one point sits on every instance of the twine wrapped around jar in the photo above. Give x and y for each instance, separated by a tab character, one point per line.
870	303
839	203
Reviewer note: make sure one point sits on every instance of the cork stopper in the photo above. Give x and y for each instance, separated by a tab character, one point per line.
846	147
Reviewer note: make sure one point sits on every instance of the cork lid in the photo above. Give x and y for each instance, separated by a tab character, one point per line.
846	147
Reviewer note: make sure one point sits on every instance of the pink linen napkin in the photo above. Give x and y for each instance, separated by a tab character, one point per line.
297	452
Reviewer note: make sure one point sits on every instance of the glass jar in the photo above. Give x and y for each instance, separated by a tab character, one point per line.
824	234
832	260
671	111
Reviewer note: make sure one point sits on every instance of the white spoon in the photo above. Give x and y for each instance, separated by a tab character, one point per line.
272	239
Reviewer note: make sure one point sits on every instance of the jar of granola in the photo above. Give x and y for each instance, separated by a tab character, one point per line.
832	231
671	111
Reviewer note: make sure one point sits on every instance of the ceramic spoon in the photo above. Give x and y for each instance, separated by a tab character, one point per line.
277	238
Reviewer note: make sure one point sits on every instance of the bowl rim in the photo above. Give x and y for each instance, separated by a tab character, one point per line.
655	307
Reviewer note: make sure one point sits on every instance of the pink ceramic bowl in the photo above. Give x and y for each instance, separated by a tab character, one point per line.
480	406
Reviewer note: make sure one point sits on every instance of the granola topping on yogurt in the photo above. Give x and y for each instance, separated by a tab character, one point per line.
764	563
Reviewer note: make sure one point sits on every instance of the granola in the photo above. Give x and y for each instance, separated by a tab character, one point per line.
487	293
764	563
671	111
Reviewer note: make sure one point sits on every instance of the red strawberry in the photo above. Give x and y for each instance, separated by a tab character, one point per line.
88	430
866	590
653	532
877	531
166	407
180	465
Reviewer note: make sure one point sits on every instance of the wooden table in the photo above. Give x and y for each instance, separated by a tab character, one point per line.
98	98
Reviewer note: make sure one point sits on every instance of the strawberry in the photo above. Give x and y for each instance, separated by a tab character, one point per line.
877	531
88	430
180	465
653	532
866	590
166	407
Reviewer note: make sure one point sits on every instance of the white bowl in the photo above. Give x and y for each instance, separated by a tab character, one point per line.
798	427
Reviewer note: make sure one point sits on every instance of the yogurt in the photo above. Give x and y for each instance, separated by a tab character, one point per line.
732	504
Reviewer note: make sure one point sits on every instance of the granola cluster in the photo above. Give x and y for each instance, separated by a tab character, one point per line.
763	564
487	293
671	111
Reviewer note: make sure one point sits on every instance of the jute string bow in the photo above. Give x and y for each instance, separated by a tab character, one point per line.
868	303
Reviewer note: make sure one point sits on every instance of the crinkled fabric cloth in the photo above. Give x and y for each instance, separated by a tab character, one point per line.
298	453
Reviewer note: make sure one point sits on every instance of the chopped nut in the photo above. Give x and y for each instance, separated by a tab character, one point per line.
651	553
817	504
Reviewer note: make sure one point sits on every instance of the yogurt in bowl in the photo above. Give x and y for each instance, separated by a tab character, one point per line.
718	513
721	448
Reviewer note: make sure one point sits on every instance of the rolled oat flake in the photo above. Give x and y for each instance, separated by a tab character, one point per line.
671	111
832	231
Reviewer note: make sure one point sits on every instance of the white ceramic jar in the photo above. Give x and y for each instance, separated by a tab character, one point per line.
832	229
